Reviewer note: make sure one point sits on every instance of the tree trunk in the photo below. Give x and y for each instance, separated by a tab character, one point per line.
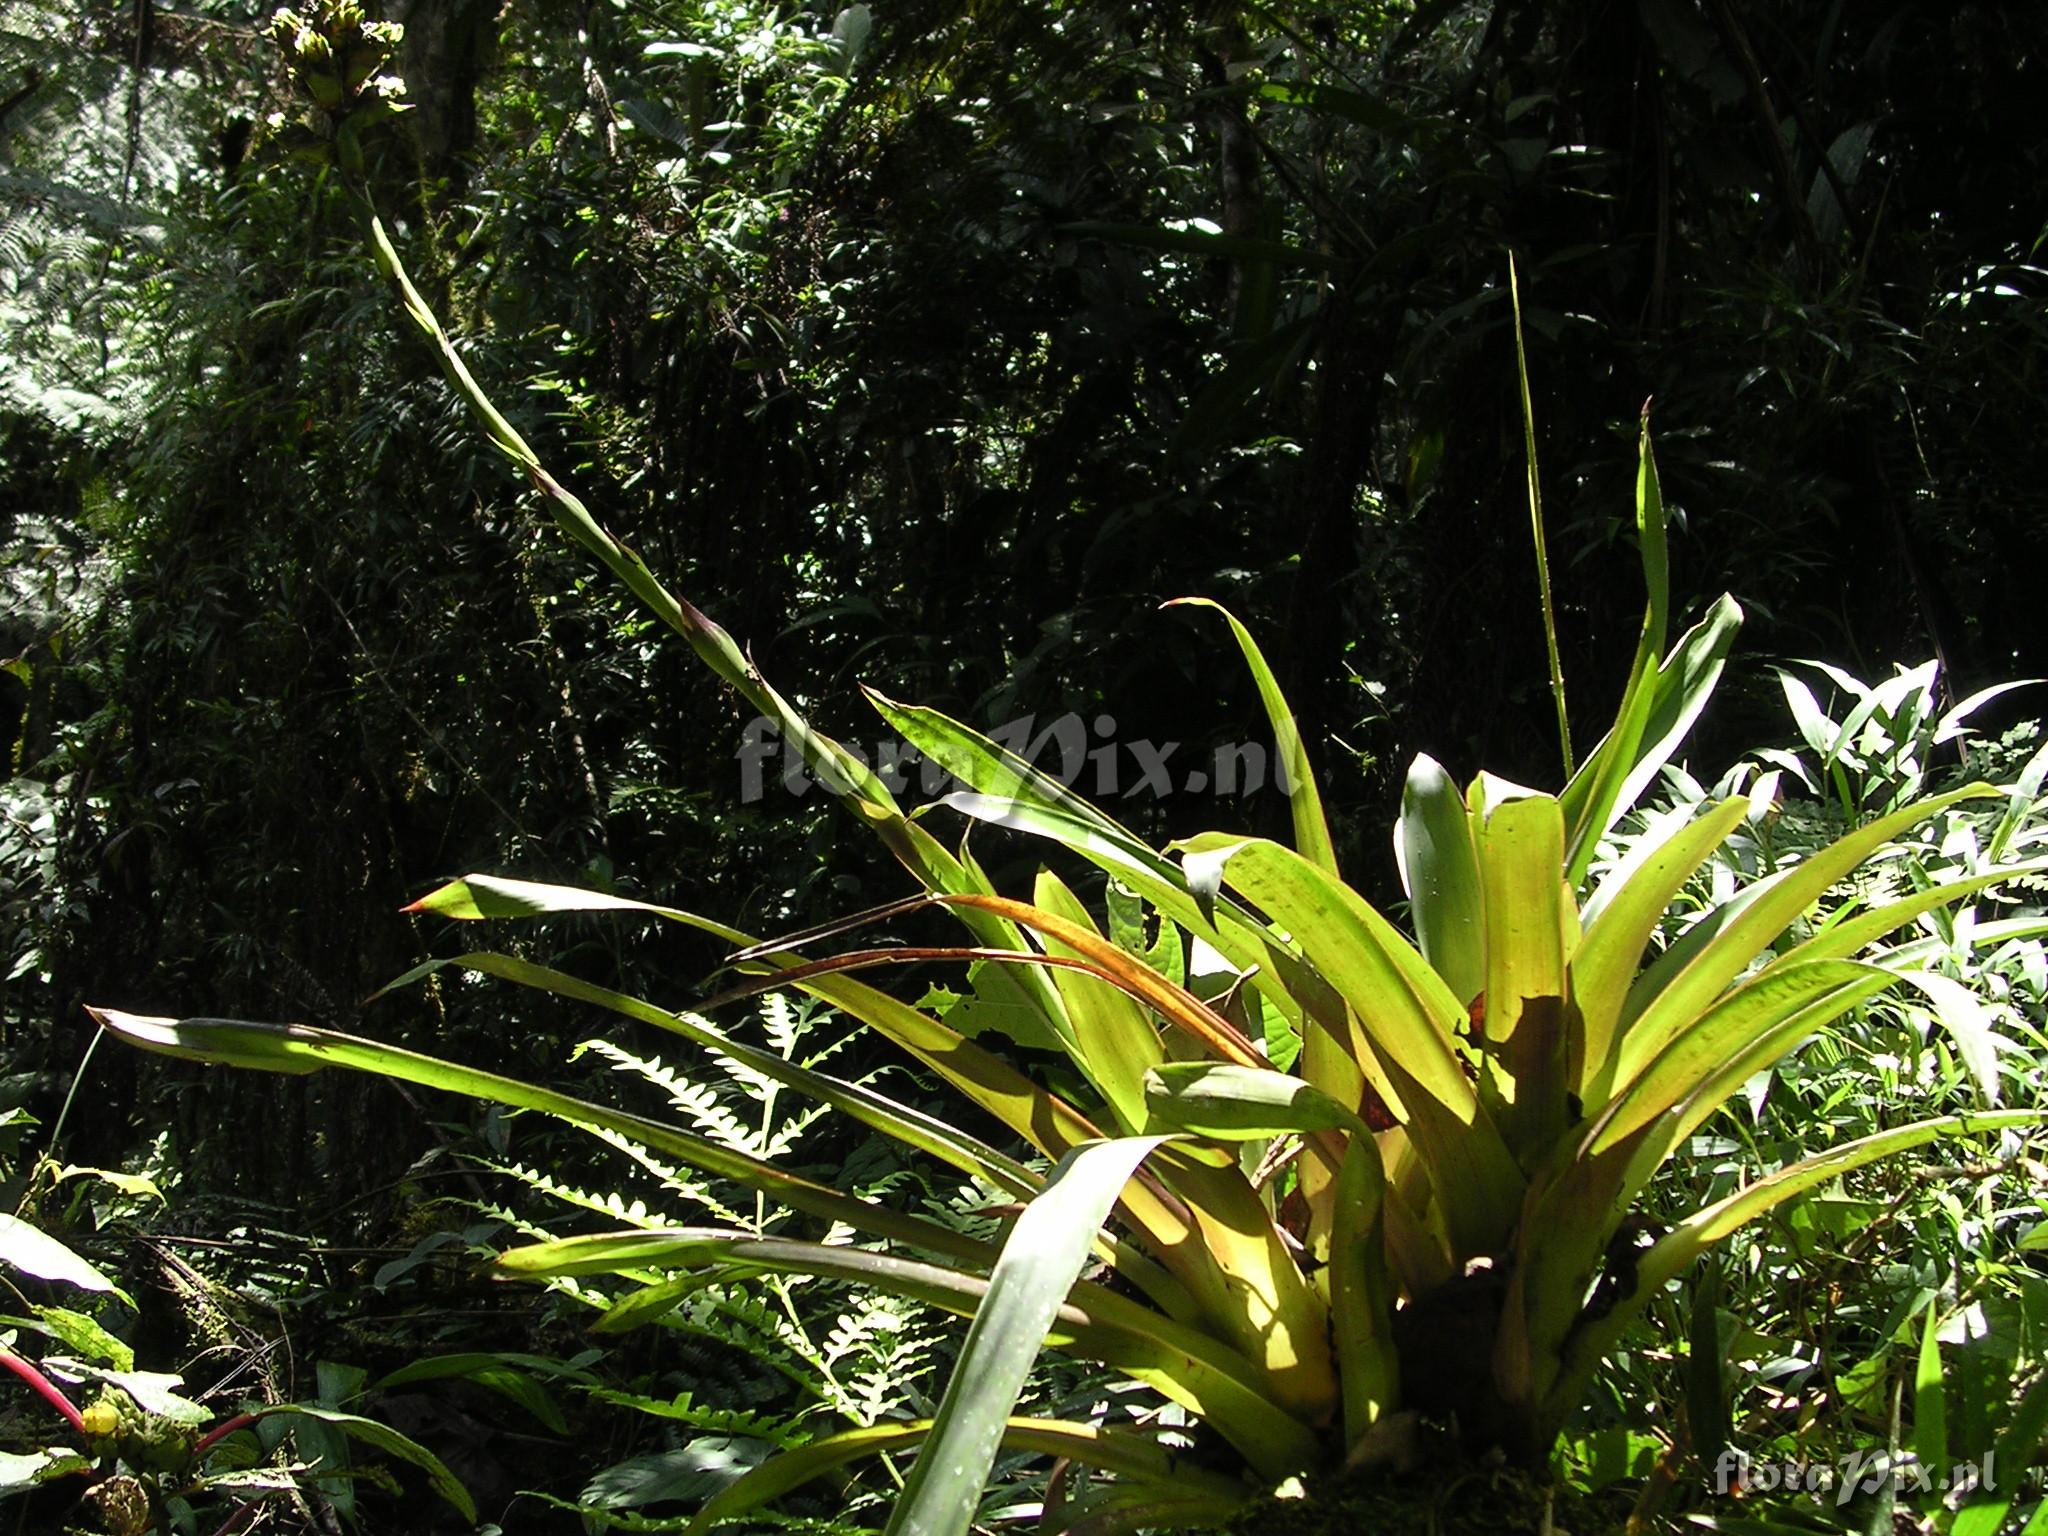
449	44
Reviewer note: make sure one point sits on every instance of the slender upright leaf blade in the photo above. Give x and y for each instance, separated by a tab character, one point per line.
1311	829
1362	1291
1930	1407
1592	799
1682	686
1605	963
2017	1447
1693	971
1039	1263
842	772
1661	712
1706	1392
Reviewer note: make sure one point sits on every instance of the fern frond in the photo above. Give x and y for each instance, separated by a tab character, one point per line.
701	1104
679	1181
777	1144
683	1409
603	1203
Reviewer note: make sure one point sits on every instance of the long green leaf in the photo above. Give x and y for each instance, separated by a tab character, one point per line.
1848	935
1643	886
1362	1292
1590	798
2017	1448
1039	1264
991	768
475	898
1706	1392
1564	729
1674	990
1044	1119
301	1048
1730	1042
1930	1407
1170	1475
1112	1039
1668	704
389	1441
839	770
1684	683
1311	829
1227	1102
1188	1365
913	1127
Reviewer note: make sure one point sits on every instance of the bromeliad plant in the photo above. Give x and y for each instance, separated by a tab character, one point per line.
1330	1175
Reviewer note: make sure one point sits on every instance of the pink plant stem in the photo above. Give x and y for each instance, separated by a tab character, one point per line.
239	1520
221	1431
50	1391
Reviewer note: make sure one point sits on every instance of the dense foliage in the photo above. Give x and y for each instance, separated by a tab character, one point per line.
930	346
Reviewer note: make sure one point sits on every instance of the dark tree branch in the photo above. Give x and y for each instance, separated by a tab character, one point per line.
1736	41
28	88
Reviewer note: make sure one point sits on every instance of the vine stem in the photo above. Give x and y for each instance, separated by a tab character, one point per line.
239	1520
50	1392
70	1095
